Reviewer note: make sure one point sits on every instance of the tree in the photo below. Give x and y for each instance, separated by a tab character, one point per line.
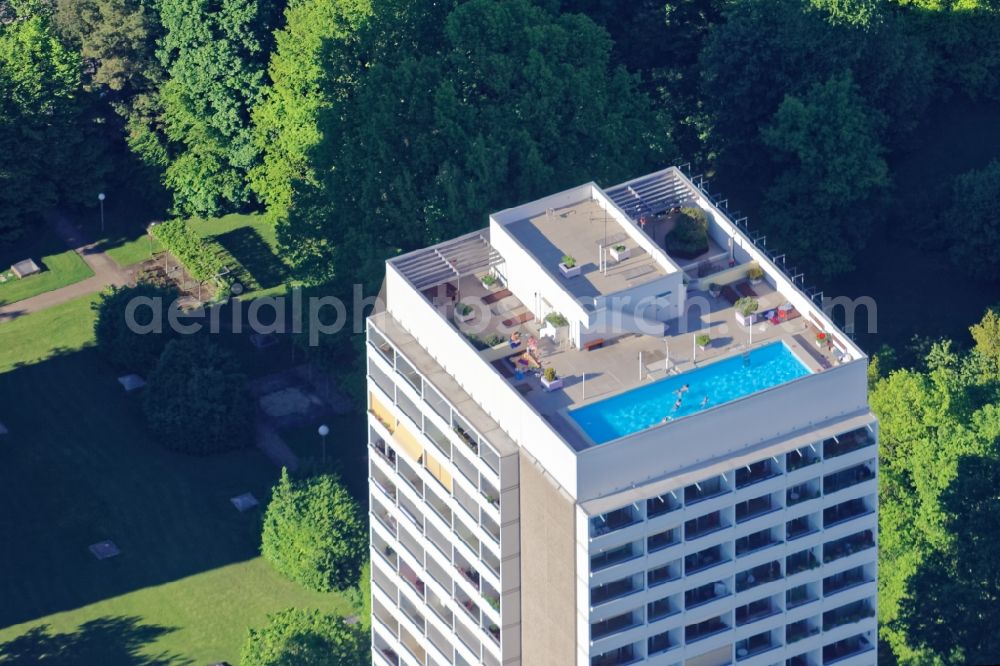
519	103
310	71
314	533
939	465
825	200
50	150
975	229
132	337
197	400
298	637
215	56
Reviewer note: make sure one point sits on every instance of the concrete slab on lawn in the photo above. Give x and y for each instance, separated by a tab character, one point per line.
244	502
25	267
131	382
104	550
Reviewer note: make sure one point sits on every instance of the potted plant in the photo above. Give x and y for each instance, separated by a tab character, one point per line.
703	340
821	339
715	289
755	274
556	319
489	281
620	252
745	309
550	380
568	266
464	312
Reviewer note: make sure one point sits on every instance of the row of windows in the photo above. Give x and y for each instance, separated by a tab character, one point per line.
749	475
746	648
704	560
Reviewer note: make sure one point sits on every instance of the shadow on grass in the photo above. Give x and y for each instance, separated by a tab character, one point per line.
248	248
110	641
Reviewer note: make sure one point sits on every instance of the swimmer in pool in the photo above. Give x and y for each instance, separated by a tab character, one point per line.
704	401
677	405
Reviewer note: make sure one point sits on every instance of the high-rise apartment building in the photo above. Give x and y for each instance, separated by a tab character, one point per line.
588	449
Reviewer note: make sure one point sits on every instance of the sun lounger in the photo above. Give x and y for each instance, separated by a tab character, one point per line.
522	318
730	294
746	290
495	296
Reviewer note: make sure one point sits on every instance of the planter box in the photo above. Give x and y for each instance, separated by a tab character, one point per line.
756	280
569	272
556	383
622	255
465	317
747	320
489	287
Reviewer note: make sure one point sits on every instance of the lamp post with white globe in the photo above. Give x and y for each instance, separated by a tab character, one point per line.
324	430
100	197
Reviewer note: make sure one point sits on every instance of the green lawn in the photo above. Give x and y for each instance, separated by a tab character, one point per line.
251	239
133	250
78	467
60	267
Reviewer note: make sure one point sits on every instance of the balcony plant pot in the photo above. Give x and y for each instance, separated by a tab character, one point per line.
569	267
715	290
488	281
569	271
464	313
553	384
746	320
620	253
755	274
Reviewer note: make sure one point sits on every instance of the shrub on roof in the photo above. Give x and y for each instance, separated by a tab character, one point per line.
689	237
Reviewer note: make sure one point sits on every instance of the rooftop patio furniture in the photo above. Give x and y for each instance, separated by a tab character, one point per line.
745	289
730	294
522	318
495	296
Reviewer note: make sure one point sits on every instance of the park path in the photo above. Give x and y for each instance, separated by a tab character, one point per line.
106	272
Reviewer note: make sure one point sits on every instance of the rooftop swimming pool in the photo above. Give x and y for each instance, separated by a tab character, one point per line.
707	387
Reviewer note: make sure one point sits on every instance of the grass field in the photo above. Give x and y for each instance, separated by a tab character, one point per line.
60	267
133	250
78	467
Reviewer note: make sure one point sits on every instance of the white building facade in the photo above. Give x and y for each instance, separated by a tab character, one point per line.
502	532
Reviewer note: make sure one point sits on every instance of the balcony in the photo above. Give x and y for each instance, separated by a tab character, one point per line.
757	610
659	643
849	647
755	473
468	573
702	630
844	581
844	511
849	614
749	647
661	608
754	542
411	577
844	444
466	436
493	631
799	596
613	590
801	493
800	630
491	494
378	445
614	625
848	545
799	527
846	478
468	605
708	489
704	594
800	458
663	540
664	574
704	559
612	557
756	507
799	562
619	657
614	520
661	505
704	525
765	573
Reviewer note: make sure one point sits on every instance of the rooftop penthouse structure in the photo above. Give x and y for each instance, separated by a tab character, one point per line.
564	469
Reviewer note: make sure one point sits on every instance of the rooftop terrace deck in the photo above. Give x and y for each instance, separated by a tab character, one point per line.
580	230
615	367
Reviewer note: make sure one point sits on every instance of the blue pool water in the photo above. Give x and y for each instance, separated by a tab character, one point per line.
721	382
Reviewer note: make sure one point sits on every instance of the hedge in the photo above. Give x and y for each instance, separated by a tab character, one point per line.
203	257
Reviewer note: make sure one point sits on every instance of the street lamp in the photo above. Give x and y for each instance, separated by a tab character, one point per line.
149	235
100	197
324	430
